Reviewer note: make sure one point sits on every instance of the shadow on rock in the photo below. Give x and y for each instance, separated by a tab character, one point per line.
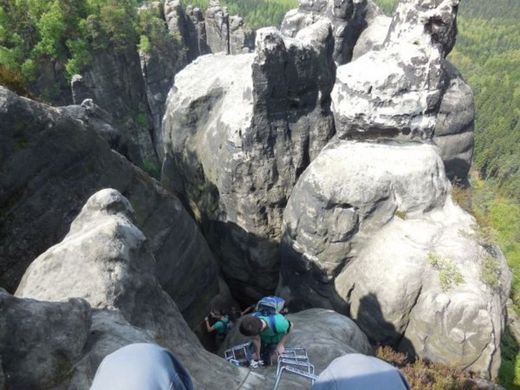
371	320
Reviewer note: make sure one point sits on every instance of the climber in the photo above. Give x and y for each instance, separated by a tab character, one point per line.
270	333
221	325
141	366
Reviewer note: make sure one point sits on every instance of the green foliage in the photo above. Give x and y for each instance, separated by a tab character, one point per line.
66	31
153	169
449	274
500	216
257	13
12	80
488	54
490	273
144	44
509	374
388	6
401	214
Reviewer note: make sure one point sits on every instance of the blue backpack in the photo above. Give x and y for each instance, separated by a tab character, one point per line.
269	306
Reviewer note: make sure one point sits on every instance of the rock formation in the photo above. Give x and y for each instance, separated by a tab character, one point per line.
40	342
407	90
212	31
373	36
51	162
226	33
159	64
348	18
105	259
114	81
370	229
238	132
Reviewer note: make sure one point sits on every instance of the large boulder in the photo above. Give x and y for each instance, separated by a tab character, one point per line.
109	332
51	162
105	259
370	229
40	342
407	89
373	37
348	18
238	131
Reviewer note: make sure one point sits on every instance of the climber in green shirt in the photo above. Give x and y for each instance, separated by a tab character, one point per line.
270	333
221	325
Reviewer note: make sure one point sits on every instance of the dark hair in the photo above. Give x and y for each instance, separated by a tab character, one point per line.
250	326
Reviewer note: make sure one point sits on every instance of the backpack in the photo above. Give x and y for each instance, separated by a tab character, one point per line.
269	306
229	324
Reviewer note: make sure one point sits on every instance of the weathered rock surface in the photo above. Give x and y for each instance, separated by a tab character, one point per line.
40	342
189	26
212	31
159	64
115	83
2	375
325	335
105	259
238	131
226	33
109	332
51	163
373	36
370	229
348	18
407	89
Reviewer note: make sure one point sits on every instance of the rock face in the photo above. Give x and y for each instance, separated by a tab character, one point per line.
226	33
189	25
238	132
159	64
407	89
325	335
214	31
370	230
115	83
40	342
105	259
348	18
373	36
109	332
51	163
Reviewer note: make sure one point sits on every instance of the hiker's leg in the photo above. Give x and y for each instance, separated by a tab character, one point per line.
266	353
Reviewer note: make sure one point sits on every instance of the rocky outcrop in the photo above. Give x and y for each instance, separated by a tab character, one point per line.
189	26
105	259
212	31
370	229
453	131
404	89
348	18
373	36
238	132
109	332
40	342
226	33
114	82
51	163
164	57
